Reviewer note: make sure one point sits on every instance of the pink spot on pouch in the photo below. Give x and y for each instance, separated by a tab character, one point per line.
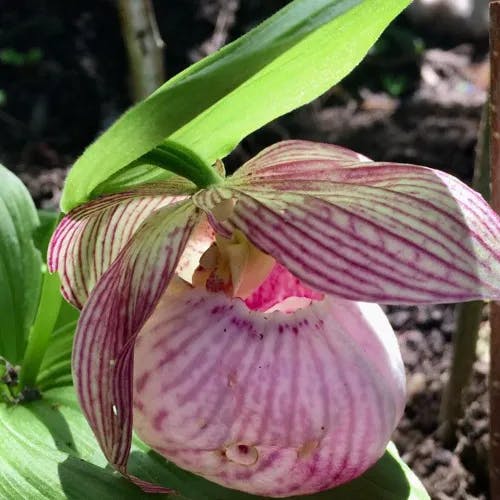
142	381
279	285
159	418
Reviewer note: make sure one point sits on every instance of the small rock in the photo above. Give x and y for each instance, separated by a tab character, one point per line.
423	316
399	318
437	314
414	339
436	341
416	384
442	456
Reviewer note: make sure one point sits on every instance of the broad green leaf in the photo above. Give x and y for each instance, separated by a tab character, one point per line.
55	370
41	330
67	314
48	451
20	265
139	172
285	62
53	313
48	221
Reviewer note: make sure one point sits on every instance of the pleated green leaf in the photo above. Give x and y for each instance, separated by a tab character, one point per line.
55	370
285	62
48	222
20	265
47	450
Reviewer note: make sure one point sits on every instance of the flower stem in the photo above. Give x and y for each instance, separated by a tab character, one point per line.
464	354
468	314
182	161
41	331
495	202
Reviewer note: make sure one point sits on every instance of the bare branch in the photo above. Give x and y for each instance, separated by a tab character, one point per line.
144	46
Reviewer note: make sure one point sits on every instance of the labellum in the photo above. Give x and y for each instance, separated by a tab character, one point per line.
277	403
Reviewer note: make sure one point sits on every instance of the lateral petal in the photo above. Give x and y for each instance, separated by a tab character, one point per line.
270	403
117	308
419	236
89	238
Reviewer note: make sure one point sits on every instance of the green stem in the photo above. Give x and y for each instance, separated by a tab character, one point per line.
182	161
464	355
468	314
41	331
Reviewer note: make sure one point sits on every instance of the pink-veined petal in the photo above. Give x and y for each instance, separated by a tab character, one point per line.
275	404
292	161
423	239
447	231
117	308
89	238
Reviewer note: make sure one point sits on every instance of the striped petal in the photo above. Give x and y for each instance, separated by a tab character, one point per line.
117	308
384	228
383	232
89	238
271	403
288	162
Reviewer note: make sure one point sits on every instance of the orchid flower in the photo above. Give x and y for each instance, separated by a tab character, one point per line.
232	327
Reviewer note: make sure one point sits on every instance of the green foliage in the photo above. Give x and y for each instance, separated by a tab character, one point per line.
55	369
20	266
30	299
41	236
285	62
392	64
401	49
53	313
41	330
47	450
13	57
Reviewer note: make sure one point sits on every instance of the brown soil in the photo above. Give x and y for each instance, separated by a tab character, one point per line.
457	471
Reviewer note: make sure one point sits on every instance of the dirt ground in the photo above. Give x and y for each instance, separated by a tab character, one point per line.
56	100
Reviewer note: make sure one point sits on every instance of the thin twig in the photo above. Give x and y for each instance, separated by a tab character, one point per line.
495	201
224	21
144	46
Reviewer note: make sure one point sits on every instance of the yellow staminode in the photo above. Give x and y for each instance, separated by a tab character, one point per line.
233	265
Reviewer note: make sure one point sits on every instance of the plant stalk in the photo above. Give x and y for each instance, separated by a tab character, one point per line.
182	161
41	331
464	355
468	314
144	46
495	202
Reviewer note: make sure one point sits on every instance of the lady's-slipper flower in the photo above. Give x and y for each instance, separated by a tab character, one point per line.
230	325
